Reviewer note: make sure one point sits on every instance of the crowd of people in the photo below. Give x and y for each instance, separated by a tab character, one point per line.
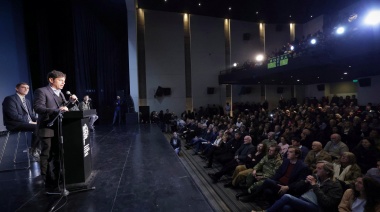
324	154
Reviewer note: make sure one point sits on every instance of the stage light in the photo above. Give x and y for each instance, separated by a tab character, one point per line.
259	58
340	30
313	41
373	18
235	64
291	48
229	8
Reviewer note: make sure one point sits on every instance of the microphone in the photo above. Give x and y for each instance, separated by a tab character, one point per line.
70	94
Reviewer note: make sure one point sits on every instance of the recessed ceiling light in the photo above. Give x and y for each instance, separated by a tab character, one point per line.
349	66
229	8
311	16
345	73
318	77
291	76
199	4
298	80
257	12
341	78
290	16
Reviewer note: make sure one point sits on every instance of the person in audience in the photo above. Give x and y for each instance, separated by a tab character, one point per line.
265	169
175	142
296	142
346	170
241	171
86	105
365	196
284	181
322	193
240	156
269	140
316	154
366	154
18	115
335	147
227	152
374	172
283	145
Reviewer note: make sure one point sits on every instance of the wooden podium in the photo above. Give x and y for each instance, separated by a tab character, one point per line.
76	145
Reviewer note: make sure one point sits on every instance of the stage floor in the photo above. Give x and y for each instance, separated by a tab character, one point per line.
134	169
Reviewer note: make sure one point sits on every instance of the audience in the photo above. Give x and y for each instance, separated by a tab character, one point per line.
316	154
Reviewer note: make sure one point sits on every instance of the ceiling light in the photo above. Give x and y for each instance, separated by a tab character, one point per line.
311	16
349	66
341	78
345	73
199	4
259	57
291	47
313	41
318	77
257	12
340	30
298	80
290	16
373	18
235	64
229	8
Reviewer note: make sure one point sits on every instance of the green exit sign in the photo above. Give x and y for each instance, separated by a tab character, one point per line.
354	80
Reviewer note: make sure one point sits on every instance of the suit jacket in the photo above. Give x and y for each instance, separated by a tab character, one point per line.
14	113
299	172
47	107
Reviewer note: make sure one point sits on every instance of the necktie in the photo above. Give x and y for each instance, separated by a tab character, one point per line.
26	108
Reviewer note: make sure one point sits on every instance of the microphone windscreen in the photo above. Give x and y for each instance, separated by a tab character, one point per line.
68	92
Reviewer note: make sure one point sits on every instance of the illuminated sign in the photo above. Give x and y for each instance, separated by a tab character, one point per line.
278	61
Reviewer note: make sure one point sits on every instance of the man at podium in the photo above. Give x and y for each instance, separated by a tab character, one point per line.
86	105
49	101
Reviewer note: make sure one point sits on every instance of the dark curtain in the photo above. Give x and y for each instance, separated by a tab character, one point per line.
87	40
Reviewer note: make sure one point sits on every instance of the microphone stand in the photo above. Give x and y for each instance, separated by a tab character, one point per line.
63	191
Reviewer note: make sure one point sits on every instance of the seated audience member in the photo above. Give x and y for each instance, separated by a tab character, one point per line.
322	193
335	147
18	115
296	142
365	196
240	157
227	152
283	145
266	168
374	172
269	140
215	150
213	144
284	181
175	142
241	171
316	154
346	170
366	154
86	105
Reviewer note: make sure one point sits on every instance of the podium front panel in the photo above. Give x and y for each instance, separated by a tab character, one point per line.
77	150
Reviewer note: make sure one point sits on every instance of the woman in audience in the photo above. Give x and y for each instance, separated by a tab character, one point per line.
283	145
363	197
346	170
366	154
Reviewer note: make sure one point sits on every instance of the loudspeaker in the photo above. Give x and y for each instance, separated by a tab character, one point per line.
144	114
159	92
210	90
246	36
365	82
321	87
280	89
167	91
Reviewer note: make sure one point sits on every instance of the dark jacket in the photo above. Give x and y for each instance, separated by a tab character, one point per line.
243	151
328	194
299	173
14	112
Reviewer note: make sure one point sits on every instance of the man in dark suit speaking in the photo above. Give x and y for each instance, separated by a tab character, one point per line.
49	101
19	116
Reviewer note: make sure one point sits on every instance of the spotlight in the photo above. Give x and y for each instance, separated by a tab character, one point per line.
259	58
313	41
291	48
340	30
235	64
373	18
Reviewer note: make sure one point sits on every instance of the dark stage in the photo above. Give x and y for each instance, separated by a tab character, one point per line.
134	169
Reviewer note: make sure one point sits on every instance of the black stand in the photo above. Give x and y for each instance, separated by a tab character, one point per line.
63	191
